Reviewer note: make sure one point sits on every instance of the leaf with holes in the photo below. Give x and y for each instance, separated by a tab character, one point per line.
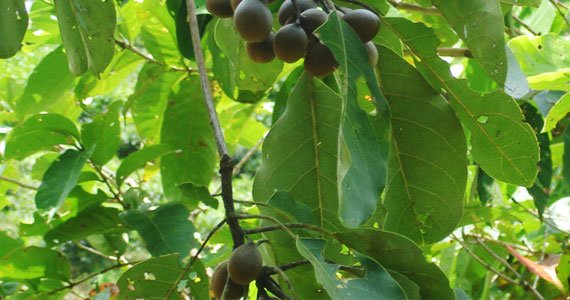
426	185
502	144
13	25
163	278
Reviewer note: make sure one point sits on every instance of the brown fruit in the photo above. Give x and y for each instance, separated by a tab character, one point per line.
253	20
220	8
287	10
320	60
218	282
290	43
372	53
364	22
312	18
234	4
261	52
245	263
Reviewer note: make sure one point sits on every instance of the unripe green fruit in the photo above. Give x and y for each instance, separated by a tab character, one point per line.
245	263
261	52
372	53
220	8
235	291
320	60
364	22
287	10
253	20
290	43
312	18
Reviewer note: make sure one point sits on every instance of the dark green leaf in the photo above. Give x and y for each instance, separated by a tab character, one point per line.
104	133
13	25
410	288
195	194
46	85
376	284
34	262
164	230
140	158
484	187
60	178
40	132
87	29
424	196
94	220
183	29
163	278
297	211
397	253
112	244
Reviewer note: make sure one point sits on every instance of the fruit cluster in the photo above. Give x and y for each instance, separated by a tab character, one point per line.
295	39
243	267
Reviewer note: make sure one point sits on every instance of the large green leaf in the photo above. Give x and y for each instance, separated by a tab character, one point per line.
164	230
60	178
94	220
186	127
244	72
87	29
163	278
363	139
397	253
534	3
148	102
8	244
13	25
495	121
426	185
46	85
300	156
480	24
40	132
376	284
34	262
104	133
139	159
43	28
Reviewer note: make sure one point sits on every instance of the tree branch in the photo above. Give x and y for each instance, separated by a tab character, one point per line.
523	24
148	58
73	284
277	227
415	8
449	52
557	5
19	183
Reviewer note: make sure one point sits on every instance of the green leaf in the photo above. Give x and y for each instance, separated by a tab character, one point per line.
8	244
94	220
60	178
397	253
495	121
563	270
410	288
149	100
195	194
551	80
376	284
161	46
104	133
295	210
246	74
40	132
541	19
363	139
163	278
541	54
112	244
164	230
46	85
183	29
426	185
485	184
479	23
139	159
13	25
533	3
186	127
566	156
34	262
87	29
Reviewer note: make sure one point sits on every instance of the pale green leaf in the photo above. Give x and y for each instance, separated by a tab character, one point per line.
558	80
533	3
40	132
560	109
541	54
541	19
13	25
163	278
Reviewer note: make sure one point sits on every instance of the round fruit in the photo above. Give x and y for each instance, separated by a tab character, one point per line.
234	4
261	52
372	53
220	8
290	43
245	263
312	18
253	20
287	10
364	22
235	291
320	60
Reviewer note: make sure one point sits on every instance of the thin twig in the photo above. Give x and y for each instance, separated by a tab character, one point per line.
272	219
557	5
546	221
497	257
449	52
288	225
109	184
73	284
94	251
362	5
19	183
247	156
415	8
252	203
523	24
148	58
499	242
